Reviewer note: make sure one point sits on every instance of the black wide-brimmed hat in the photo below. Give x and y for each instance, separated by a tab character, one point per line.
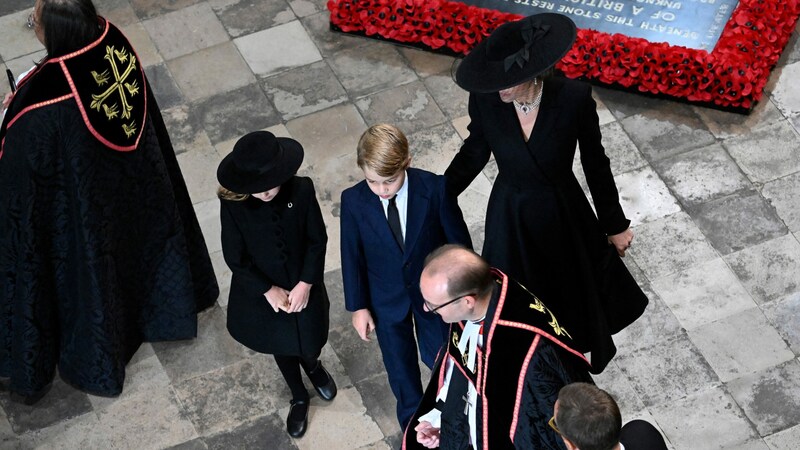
516	52
259	162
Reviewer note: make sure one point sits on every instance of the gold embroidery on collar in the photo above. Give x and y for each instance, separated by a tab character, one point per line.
537	305
120	86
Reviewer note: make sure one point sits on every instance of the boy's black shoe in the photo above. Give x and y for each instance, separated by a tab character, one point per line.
297	421
323	382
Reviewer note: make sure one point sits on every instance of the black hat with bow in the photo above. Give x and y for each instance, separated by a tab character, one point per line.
259	162
516	52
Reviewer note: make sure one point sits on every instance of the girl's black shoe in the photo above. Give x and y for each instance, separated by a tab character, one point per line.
297	421
323	382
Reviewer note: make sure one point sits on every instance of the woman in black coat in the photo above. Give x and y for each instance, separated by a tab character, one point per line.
273	239
540	227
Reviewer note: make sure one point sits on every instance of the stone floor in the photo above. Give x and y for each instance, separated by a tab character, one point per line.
714	198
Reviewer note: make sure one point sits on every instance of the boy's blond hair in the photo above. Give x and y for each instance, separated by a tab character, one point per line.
383	148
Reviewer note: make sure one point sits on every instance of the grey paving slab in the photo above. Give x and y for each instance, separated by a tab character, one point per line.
785	317
232	114
724	124
210	71
667	372
148	419
738	221
12	6
152	8
241	17
185	31
620	149
80	432
194	444
361	360
433	148
61	403
622	104
289	47
370	69
140	39
768	153
769	270
616	383
698	176
703	293
304	8
16	39
332	132
119	12
304	90
342	424
198	166
380	402
667	131
656	324
450	98
428	63
644	196
782	194
230	396
213	349
719	342
771	397
784	440
164	87
266	430
408	107
785	94
183	134
709	419
330	43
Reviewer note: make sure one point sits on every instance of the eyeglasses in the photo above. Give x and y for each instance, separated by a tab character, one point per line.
433	308
31	21
552	423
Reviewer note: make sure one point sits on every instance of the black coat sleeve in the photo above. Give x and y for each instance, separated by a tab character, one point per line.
597	168
473	155
236	255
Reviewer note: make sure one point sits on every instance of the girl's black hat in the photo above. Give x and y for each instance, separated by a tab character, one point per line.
259	162
516	52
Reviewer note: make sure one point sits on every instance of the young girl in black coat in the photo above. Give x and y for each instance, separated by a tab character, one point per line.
273	239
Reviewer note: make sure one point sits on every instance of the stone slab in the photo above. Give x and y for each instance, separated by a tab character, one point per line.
709	419
720	342
374	68
770	270
698	176
782	195
242	17
644	196
667	372
232	114
304	90
738	221
407	107
210	71
185	31
768	153
289	47
770	398
703	294
655	243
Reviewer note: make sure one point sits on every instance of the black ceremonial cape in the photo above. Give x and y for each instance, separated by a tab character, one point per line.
526	357
100	248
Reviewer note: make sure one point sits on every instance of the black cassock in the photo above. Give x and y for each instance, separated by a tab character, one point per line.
526	357
100	248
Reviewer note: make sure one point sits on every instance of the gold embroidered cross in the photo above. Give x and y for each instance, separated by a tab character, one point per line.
119	86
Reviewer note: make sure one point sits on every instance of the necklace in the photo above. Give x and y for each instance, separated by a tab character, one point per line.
526	107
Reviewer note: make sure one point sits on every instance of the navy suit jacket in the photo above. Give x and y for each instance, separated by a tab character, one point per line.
377	274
